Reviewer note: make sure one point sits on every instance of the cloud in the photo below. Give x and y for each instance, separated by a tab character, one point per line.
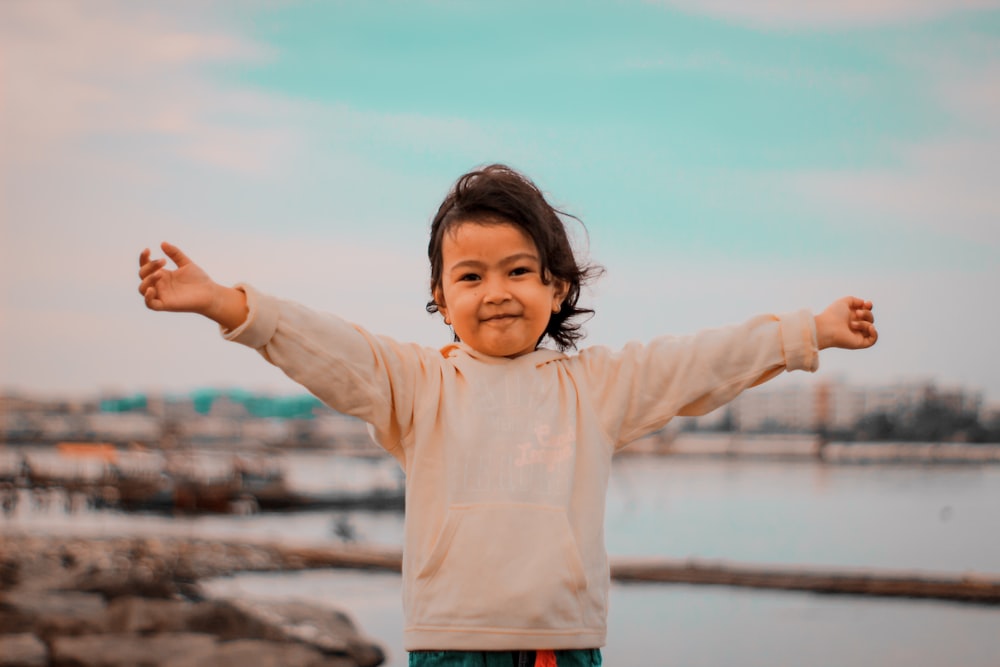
945	183
134	79
120	78
809	14
714	61
75	71
117	72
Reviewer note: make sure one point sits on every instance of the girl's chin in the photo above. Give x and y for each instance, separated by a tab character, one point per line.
502	350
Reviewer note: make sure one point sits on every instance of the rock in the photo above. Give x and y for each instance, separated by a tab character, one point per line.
328	630
10	573
328	633
55	603
13	621
23	650
30	560
74	602
49	613
111	585
148	616
259	653
229	621
124	650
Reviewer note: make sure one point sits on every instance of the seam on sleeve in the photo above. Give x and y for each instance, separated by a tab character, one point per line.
798	341
591	403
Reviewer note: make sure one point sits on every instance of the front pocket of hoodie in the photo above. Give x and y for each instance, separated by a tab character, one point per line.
502	565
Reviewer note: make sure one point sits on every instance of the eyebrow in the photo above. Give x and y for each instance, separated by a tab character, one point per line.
476	264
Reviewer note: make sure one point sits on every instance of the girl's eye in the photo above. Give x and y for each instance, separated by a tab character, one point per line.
520	271
469	276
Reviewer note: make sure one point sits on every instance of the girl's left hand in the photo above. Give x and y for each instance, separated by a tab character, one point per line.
847	323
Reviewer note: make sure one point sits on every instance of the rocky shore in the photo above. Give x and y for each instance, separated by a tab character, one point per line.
135	601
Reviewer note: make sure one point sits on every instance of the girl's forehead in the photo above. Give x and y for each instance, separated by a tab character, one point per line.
485	240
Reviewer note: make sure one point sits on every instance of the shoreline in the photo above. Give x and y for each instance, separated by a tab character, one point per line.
811	447
199	558
78	599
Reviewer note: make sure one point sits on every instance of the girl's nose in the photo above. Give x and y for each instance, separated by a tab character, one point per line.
496	292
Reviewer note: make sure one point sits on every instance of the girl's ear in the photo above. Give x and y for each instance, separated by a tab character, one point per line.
442	308
562	289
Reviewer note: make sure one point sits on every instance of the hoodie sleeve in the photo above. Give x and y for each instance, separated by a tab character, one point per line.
370	377
639	389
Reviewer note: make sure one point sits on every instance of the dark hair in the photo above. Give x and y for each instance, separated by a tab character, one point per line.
497	194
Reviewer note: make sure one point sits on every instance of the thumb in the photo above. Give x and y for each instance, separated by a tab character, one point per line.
175	254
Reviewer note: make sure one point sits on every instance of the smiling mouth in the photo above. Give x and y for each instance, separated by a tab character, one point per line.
496	318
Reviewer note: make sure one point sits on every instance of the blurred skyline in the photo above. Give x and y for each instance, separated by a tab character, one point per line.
727	158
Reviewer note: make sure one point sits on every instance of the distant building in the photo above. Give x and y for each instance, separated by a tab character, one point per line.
831	404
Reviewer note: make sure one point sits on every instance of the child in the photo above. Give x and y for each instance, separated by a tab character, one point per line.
506	445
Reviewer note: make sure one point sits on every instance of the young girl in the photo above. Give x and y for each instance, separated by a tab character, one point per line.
506	444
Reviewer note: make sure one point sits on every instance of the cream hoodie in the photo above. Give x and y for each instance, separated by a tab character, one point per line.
507	460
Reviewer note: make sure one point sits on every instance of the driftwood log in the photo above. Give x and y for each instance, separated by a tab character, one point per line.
192	559
970	588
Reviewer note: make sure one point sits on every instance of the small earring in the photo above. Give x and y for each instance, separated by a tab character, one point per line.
556	307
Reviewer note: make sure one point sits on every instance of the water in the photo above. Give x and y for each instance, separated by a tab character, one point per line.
700	625
934	518
901	517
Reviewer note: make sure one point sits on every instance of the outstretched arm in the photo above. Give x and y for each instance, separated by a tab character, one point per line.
640	388
188	289
847	323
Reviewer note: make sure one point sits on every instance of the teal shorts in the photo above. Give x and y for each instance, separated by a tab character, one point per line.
586	657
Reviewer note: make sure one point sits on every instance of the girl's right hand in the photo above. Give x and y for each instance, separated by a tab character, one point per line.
188	289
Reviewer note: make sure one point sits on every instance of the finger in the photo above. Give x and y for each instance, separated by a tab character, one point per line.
866	332
861	328
175	254
868	336
864	315
149	267
149	282
144	256
855	303
151	301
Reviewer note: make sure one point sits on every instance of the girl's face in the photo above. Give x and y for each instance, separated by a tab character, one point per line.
491	289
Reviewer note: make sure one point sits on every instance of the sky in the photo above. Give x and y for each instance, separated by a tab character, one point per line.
726	157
